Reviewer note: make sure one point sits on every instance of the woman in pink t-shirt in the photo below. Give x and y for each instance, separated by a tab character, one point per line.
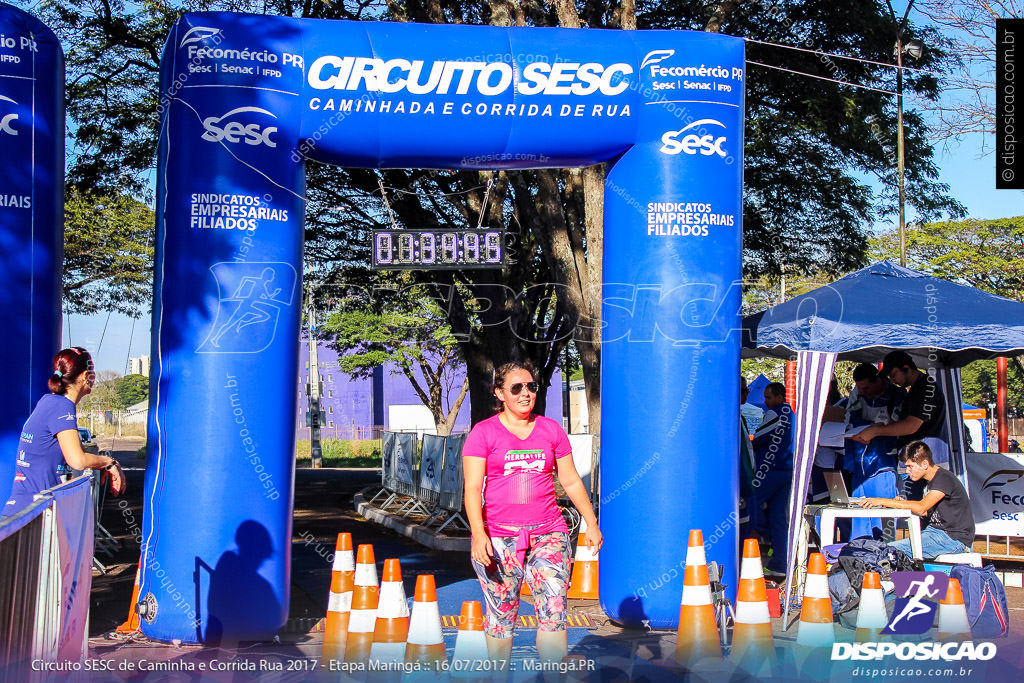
519	533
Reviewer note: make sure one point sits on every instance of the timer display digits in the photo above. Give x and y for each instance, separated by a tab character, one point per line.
438	249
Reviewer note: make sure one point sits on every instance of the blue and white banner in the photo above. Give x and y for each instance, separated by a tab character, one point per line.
996	489
75	528
431	456
31	218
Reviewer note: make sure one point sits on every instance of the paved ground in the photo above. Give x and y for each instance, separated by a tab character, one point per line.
324	507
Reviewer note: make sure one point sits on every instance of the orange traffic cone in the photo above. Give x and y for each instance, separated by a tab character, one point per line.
583	584
392	625
953	623
426	643
339	603
816	628
131	624
698	632
363	616
470	644
871	615
752	644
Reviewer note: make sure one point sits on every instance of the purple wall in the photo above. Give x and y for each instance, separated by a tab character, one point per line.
354	406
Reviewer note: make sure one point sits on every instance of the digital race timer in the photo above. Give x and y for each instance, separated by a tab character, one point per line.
438	249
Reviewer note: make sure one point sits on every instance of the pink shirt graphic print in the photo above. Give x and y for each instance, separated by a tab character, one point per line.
519	488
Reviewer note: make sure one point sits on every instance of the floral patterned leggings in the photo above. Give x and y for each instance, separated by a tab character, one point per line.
546	572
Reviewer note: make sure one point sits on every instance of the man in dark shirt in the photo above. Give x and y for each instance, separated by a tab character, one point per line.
950	524
920	418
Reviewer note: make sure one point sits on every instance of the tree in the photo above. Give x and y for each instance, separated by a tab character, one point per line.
405	329
807	142
104	394
987	254
978	383
132	389
969	27
108	253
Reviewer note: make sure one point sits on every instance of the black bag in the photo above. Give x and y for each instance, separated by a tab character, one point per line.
864	555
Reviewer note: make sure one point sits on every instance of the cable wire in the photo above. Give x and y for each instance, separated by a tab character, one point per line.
822	78
854	59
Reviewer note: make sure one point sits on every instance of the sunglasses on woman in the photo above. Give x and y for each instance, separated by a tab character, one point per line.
517	388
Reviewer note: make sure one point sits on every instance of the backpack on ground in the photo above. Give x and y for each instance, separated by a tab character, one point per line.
856	557
985	600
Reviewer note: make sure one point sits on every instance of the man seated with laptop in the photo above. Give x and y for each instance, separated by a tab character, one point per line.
945	506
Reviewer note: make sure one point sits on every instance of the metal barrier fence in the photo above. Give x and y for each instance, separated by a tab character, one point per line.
430	485
44	597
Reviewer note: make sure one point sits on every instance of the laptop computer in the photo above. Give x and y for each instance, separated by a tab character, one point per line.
837	492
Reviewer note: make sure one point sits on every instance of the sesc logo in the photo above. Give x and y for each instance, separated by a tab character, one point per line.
235	132
705	143
7	120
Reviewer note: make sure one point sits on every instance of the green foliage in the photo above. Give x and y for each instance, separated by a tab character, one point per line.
404	328
987	254
108	253
104	394
132	388
978	383
364	453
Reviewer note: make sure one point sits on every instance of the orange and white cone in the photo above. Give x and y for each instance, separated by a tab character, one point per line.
470	644
953	623
339	604
392	625
131	624
698	632
871	615
583	584
752	643
425	642
363	616
816	628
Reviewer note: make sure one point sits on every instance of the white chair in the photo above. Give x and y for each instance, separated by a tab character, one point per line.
973	559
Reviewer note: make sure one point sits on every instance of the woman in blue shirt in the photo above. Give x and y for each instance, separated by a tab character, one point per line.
49	440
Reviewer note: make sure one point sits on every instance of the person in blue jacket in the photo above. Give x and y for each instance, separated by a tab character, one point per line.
773	474
49	443
874	400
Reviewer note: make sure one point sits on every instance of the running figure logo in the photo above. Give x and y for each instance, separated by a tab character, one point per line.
250	299
917	598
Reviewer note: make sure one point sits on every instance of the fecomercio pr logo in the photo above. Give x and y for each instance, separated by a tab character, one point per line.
700	141
655	57
235	131
7	120
198	34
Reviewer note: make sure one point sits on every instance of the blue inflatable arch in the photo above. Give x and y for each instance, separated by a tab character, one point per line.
246	99
31	219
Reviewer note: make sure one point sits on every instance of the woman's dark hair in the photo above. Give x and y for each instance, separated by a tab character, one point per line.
502	372
68	365
917	451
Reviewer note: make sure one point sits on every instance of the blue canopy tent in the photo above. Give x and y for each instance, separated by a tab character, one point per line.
757	391
863	316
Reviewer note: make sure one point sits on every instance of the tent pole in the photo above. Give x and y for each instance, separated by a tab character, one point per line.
1001	426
